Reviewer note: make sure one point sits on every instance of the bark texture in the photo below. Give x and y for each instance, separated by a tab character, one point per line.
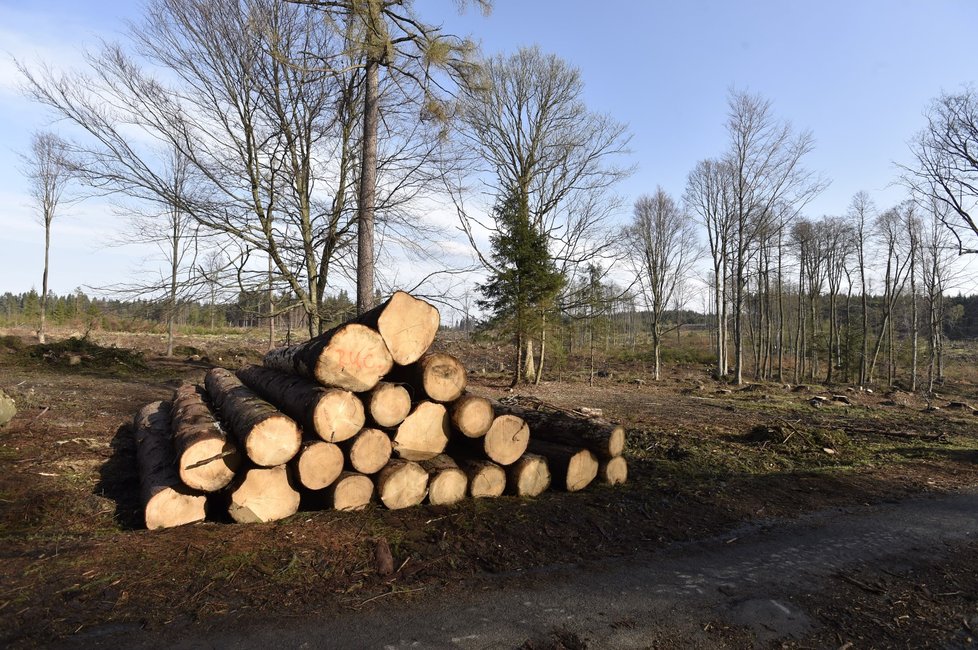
206	459
605	439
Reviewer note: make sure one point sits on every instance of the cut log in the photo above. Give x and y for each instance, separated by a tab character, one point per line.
471	415
605	439
423	434
7	408
318	464
437	376
387	404
206	459
268	437
529	476
333	414
351	491
486	478
613	471
506	439
352	356
572	468
447	483
263	494
402	484
407	324
368	451
166	501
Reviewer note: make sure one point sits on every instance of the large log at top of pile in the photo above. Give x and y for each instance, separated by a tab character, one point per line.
334	414
572	468
351	356
206	459
268	437
263	494
402	484
437	376
166	501
387	404
423	434
605	439
407	324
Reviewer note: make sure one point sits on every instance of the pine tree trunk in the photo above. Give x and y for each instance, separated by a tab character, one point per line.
368	185
471	415
605	439
206	459
350	492
436	376
263	494
318	464
613	471
486	478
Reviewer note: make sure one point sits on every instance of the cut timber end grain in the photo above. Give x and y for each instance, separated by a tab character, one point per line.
529	476
166	501
333	414
613	471
441	376
572	468
206	459
447	484
471	415
318	464
407	324
605	439
506	439
387	404
351	356
269	438
351	491
263	494
486	478
423	434
368	451
402	484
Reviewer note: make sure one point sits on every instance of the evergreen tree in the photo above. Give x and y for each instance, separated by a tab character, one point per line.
524	279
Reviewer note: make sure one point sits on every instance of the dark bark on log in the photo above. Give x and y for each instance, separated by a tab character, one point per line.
206	459
333	414
407	324
572	468
605	439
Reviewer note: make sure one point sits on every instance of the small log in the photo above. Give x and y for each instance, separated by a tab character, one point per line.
317	464
423	434
351	491
447	483
407	324
263	494
368	451
572	468
166	501
486	478
268	437
529	476
605	439
352	356
206	459
613	471
471	415
436	376
7	408
333	414
387	404
402	484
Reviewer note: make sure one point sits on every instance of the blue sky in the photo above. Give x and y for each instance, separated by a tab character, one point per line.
857	73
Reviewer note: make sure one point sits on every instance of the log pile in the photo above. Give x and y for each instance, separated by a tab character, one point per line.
364	413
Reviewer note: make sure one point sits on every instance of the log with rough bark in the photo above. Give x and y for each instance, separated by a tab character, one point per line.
368	451
334	414
166	501
317	464
263	494
436	376
486	478
423	434
471	415
351	491
503	443
613	471
268	437
605	439
387	404
402	484
529	476
206	459
407	324
352	356
572	468
447	483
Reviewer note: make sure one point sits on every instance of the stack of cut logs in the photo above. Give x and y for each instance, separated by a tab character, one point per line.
365	409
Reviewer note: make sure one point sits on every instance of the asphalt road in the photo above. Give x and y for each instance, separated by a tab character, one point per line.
749	577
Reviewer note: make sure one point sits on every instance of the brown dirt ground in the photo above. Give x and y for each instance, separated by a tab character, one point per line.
703	457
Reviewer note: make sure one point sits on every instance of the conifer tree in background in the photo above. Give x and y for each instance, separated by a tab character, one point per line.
524	279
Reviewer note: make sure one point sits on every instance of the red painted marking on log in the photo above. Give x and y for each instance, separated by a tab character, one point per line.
359	359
